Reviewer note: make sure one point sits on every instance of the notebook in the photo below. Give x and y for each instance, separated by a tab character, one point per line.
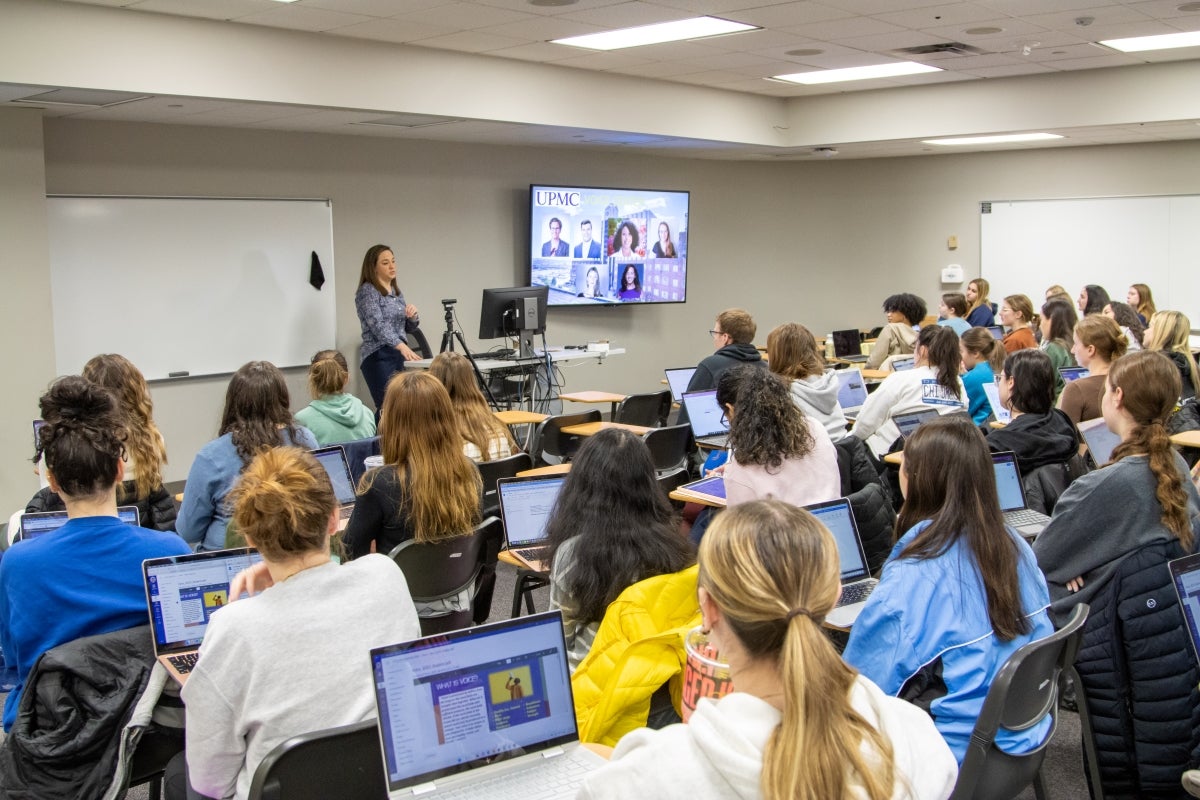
709	491
847	345
1100	440
1001	413
1185	575
333	459
709	426
908	423
182	592
857	583
852	391
678	379
40	523
1017	513
525	508
481	712
1073	373
996	331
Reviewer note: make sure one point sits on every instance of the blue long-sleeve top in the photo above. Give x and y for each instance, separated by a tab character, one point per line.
382	319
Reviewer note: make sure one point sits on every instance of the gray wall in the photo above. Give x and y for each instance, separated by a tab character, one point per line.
821	243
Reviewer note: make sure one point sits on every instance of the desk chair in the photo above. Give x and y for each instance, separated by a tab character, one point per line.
420	344
446	569
649	410
492	471
1022	694
673	480
670	447
551	445
338	762
528	581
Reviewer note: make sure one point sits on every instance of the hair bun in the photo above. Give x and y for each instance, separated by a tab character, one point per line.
72	398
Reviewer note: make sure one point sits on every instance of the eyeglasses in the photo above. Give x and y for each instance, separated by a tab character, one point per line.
716	333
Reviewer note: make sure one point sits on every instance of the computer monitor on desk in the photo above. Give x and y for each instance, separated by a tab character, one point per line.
518	311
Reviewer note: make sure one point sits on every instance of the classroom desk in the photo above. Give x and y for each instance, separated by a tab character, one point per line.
896	458
557	354
997	424
519	417
1187	439
685	496
592	428
594	397
553	469
875	374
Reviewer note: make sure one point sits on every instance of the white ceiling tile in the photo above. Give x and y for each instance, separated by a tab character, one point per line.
1101	16
1025	7
550	11
886	42
389	30
1049	54
723	7
837	29
627	15
659	69
787	14
710	78
470	42
878	6
305	19
971	63
12	91
1149	27
1009	28
467	16
544	29
372	8
1114	60
617	59
1026	68
209	9
538	51
952	14
1164	9
948	76
756	41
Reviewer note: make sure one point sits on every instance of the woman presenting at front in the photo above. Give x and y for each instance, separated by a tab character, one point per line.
385	321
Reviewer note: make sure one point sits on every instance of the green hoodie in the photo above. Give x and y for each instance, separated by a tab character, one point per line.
337	418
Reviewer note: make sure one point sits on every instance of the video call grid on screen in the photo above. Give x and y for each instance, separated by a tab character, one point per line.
576	244
527	506
184	594
446	703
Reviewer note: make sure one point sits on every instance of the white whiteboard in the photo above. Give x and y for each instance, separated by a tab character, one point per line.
189	285
1027	246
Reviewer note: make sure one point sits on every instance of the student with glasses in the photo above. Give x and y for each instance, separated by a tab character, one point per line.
732	334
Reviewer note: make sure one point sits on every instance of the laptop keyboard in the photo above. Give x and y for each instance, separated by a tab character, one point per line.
1025	516
185	662
533	553
716	441
856	592
543	779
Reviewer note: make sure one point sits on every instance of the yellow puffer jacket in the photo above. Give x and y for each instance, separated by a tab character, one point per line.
638	648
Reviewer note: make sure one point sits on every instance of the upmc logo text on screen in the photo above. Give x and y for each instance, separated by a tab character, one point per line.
543	197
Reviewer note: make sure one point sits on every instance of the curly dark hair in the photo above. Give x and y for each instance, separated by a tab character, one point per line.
767	426
257	409
912	307
1127	316
83	439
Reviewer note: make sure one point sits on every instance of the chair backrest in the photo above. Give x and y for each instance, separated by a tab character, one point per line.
338	762
1021	695
417	337
492	471
357	452
444	569
670	447
550	441
671	481
650	410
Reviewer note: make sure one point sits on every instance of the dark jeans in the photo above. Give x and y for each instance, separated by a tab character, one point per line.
377	369
175	781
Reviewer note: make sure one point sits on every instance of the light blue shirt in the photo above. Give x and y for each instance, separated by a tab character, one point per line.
957	324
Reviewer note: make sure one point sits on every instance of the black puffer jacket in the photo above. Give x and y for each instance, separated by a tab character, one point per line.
158	511
1140	676
869	499
1037	440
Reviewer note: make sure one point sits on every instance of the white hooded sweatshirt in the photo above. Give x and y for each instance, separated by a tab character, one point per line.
817	397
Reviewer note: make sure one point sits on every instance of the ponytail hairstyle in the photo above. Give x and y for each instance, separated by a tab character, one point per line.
283	502
476	422
1062	318
1145	300
793	352
772	570
1170	331
951	483
1022	305
1127	317
419	437
1150	387
1102	333
257	407
1097	299
981	342
982	287
327	374
144	443
767	426
941	345
83	439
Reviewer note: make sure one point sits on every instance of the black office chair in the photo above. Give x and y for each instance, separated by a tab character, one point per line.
338	762
673	480
1021	695
551	445
649	410
493	471
447	568
420	344
670	447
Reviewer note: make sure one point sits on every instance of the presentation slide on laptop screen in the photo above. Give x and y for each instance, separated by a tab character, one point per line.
852	392
184	594
1001	413
448	704
1008	482
526	507
35	525
838	520
705	414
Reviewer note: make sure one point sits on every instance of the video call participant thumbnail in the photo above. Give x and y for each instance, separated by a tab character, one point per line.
587	248
556	247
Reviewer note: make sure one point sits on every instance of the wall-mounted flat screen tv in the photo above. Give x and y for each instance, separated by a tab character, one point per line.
593	246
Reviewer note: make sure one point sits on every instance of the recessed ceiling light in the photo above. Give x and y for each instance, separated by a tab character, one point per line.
679	30
987	30
804	51
1166	41
1011	137
858	73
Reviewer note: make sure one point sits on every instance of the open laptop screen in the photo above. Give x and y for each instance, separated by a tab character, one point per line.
1008	482
1185	572
837	516
43	522
678	380
704	414
1001	413
1100	440
525	506
847	343
184	591
852	389
456	701
908	423
1073	373
333	459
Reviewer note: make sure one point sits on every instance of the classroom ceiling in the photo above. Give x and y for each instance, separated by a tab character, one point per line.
980	41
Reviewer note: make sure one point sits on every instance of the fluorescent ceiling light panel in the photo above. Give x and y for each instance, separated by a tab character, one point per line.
892	70
1012	137
697	28
1166	41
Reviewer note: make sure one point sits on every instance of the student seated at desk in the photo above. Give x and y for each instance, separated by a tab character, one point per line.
952	311
1056	325
800	723
1016	314
959	594
485	438
733	333
1168	333
775	450
292	658
257	416
983	359
334	416
86	577
611	527
796	358
932	384
1129	322
904	313
1096	343
1039	434
145	450
981	313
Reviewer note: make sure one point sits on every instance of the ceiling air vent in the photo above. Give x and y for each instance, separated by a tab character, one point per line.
941	49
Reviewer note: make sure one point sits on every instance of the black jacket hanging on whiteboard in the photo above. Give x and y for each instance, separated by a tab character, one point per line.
316	275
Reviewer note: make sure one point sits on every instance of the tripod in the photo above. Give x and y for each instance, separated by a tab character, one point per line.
450	335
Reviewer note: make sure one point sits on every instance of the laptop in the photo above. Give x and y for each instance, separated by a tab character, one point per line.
1017	513
1100	440
182	592
678	379
852	391
1185	575
525	508
903	363
1073	373
42	522
847	345
1001	413
857	583
709	426
481	712
908	423
333	459
996	331
710	490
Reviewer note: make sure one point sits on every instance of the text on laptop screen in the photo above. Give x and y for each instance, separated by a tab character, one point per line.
333	459
526	507
39	524
837	517
852	391
1008	482
448	702
678	380
1001	413
903	363
186	590
907	424
1070	374
705	414
1186	574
